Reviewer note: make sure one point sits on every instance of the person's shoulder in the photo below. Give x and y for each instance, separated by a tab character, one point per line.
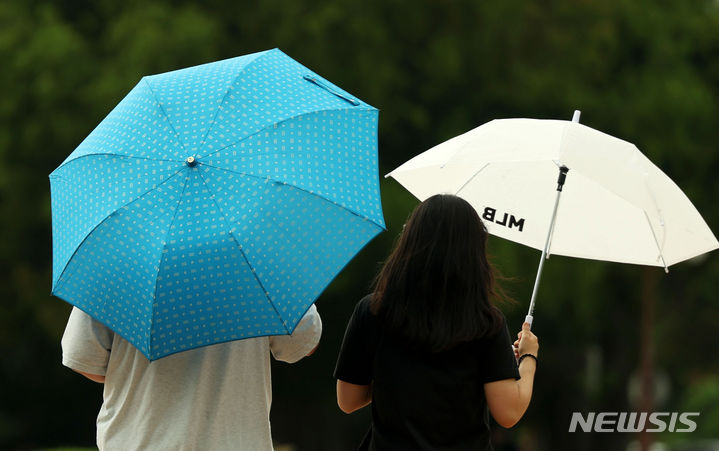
364	306
498	330
502	323
363	310
499	334
365	302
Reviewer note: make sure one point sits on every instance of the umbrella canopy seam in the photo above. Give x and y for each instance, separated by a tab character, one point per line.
224	97
450	164
270	179
469	144
164	113
585	256
110	214
470	179
164	243
109	154
277	123
459	137
659	248
231	87
244	255
568	188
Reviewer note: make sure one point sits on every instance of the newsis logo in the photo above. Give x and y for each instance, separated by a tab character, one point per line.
634	422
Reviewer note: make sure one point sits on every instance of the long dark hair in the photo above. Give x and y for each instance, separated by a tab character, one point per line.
437	286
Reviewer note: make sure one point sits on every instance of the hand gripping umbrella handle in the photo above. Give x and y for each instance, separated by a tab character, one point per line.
529	319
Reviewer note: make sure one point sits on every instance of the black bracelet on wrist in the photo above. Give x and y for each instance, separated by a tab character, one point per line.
519	362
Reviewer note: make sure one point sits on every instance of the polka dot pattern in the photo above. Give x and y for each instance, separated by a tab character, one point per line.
282	193
191	97
136	127
82	198
269	93
293	239
112	274
332	155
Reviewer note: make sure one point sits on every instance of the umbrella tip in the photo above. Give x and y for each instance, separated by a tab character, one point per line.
575	117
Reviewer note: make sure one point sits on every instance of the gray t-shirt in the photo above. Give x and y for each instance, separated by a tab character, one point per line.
212	398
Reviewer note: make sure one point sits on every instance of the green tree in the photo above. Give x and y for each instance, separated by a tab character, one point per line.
645	71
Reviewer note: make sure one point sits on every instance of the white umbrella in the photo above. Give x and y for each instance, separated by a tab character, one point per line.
616	205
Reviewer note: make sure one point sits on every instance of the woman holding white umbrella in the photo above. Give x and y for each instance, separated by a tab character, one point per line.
428	349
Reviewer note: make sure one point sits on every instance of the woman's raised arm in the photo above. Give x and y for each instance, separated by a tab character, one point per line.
508	399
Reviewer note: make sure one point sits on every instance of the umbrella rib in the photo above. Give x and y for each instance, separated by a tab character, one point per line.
229	89
300	189
656	241
164	243
460	147
470	179
217	111
162	108
266	126
62	273
114	155
224	96
244	256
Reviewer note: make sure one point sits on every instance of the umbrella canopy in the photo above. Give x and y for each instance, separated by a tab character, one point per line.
616	205
215	203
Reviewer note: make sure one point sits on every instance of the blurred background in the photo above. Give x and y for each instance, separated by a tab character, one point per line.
615	338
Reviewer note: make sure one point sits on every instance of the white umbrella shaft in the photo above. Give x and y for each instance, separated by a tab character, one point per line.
560	184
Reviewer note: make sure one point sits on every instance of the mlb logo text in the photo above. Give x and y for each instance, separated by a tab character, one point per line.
507	220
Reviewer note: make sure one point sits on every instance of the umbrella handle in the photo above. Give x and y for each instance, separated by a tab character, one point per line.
527	319
324	86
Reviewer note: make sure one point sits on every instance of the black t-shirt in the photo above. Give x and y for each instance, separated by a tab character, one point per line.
423	400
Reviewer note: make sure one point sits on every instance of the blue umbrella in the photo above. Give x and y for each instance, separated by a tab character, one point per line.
215	203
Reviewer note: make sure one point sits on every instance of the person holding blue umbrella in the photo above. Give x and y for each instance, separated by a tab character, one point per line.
214	398
428	349
194	229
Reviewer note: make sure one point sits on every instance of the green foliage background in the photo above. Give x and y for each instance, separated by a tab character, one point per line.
645	71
